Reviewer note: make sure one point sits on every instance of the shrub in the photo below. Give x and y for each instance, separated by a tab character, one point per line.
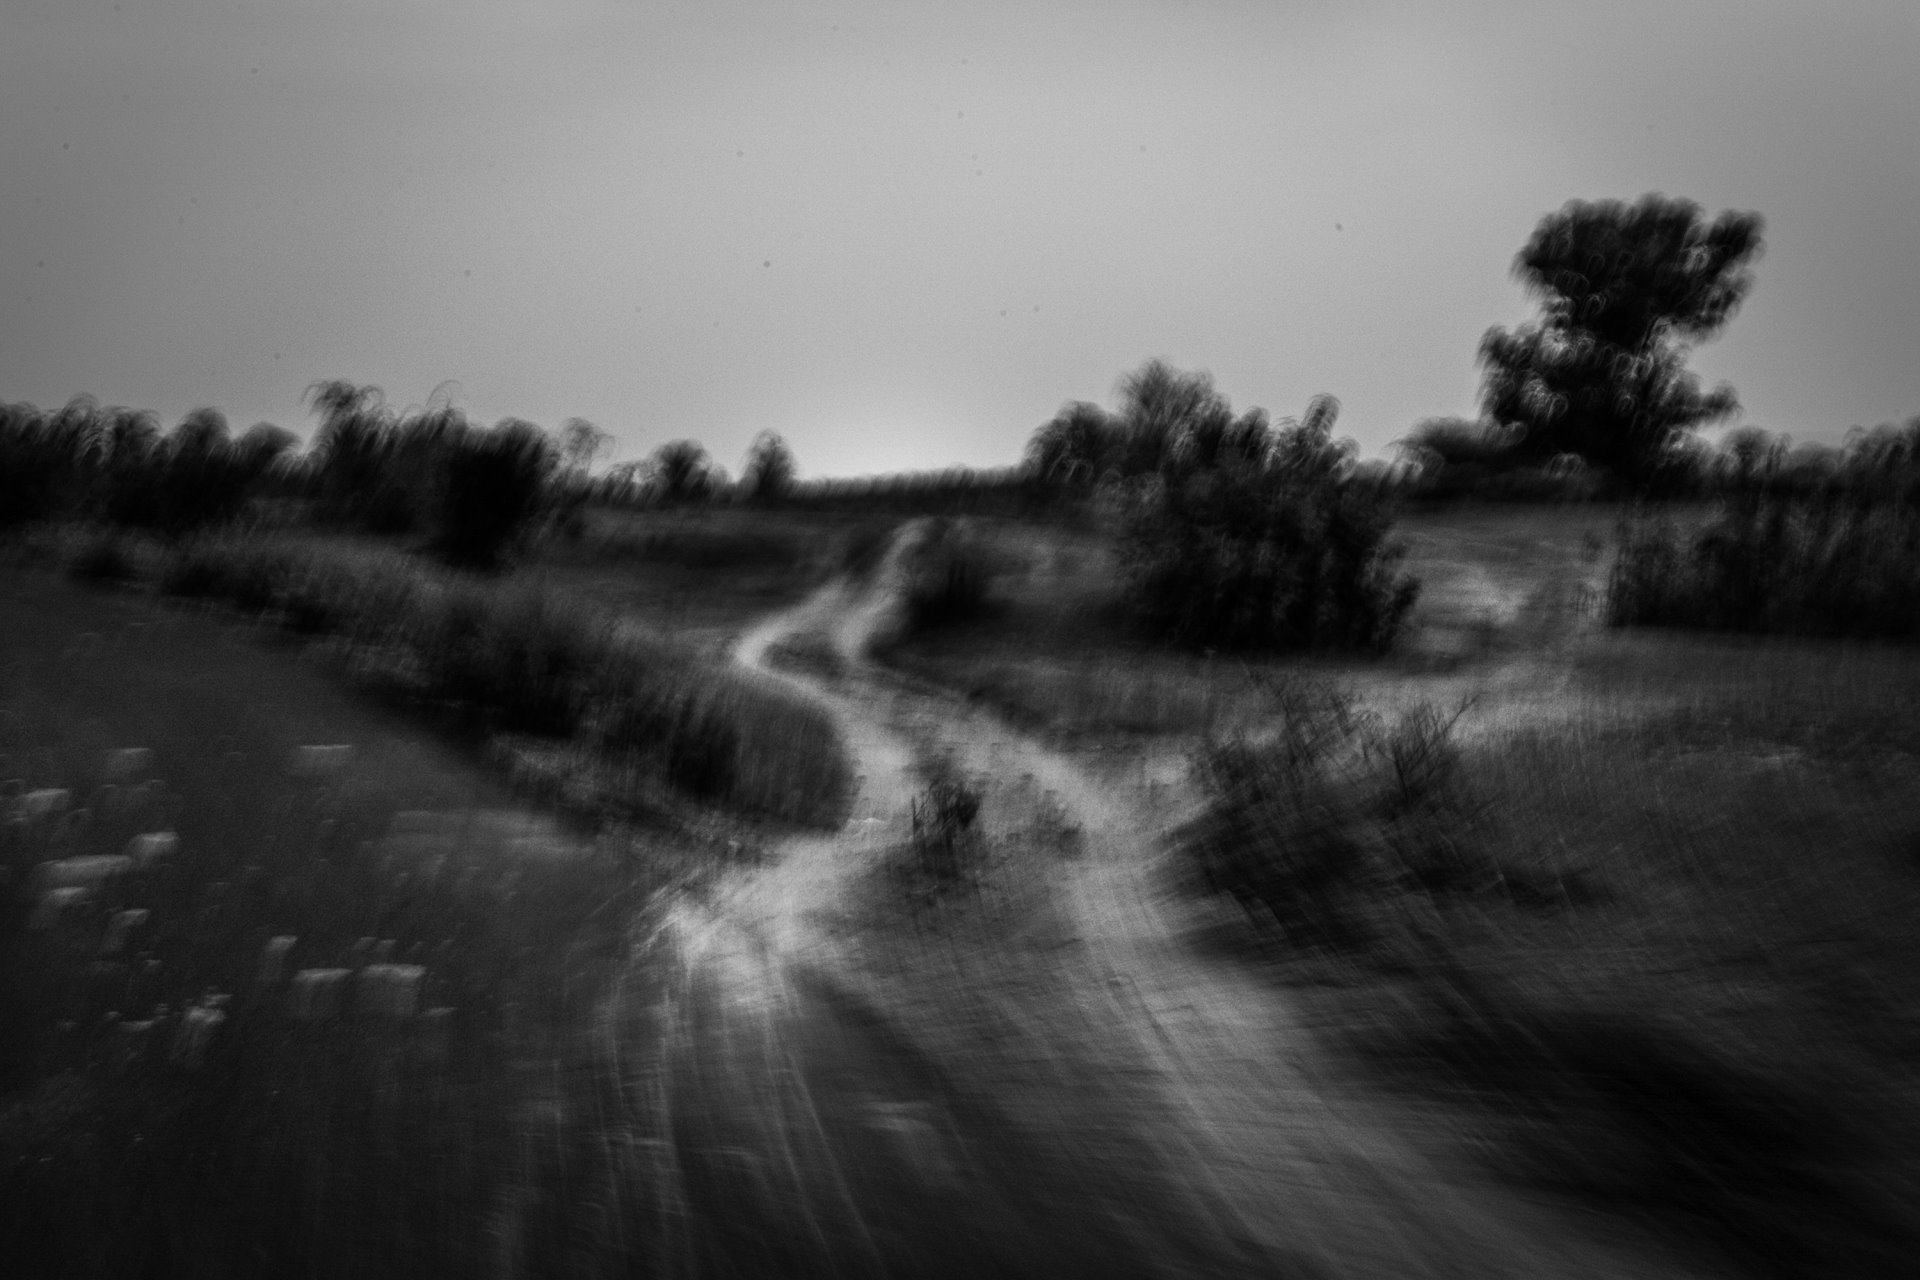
1822	566
1278	552
943	817
1328	809
947	578
43	460
494	486
1285	830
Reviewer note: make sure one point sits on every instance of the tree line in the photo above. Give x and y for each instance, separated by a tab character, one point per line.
472	490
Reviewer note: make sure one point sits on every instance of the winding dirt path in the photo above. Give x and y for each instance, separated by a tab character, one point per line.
1189	1124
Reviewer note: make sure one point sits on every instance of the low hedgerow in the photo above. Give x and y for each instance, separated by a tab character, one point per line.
523	660
1821	566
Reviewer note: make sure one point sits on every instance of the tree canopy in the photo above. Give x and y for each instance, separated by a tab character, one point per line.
1625	290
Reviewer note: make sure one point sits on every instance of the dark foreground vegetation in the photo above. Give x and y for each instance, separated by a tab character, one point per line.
1827	552
313	997
1666	963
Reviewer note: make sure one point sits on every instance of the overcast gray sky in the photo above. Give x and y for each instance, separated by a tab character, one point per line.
902	235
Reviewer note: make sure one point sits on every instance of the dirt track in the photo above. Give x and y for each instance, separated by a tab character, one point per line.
1097	1098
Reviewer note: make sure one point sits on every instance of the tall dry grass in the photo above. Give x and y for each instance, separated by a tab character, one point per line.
517	658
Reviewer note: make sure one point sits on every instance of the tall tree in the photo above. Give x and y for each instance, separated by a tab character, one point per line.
1625	291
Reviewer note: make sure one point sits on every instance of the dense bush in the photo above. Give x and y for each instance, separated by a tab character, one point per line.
1238	534
476	490
947	577
42	462
495	483
1327	811
1284	830
1821	566
1266	548
83	461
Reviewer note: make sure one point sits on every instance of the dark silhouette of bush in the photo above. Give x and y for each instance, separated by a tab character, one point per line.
198	476
1072	452
84	462
769	472
48	460
1451	459
948	576
476	490
1261	544
680	471
495	484
350	449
